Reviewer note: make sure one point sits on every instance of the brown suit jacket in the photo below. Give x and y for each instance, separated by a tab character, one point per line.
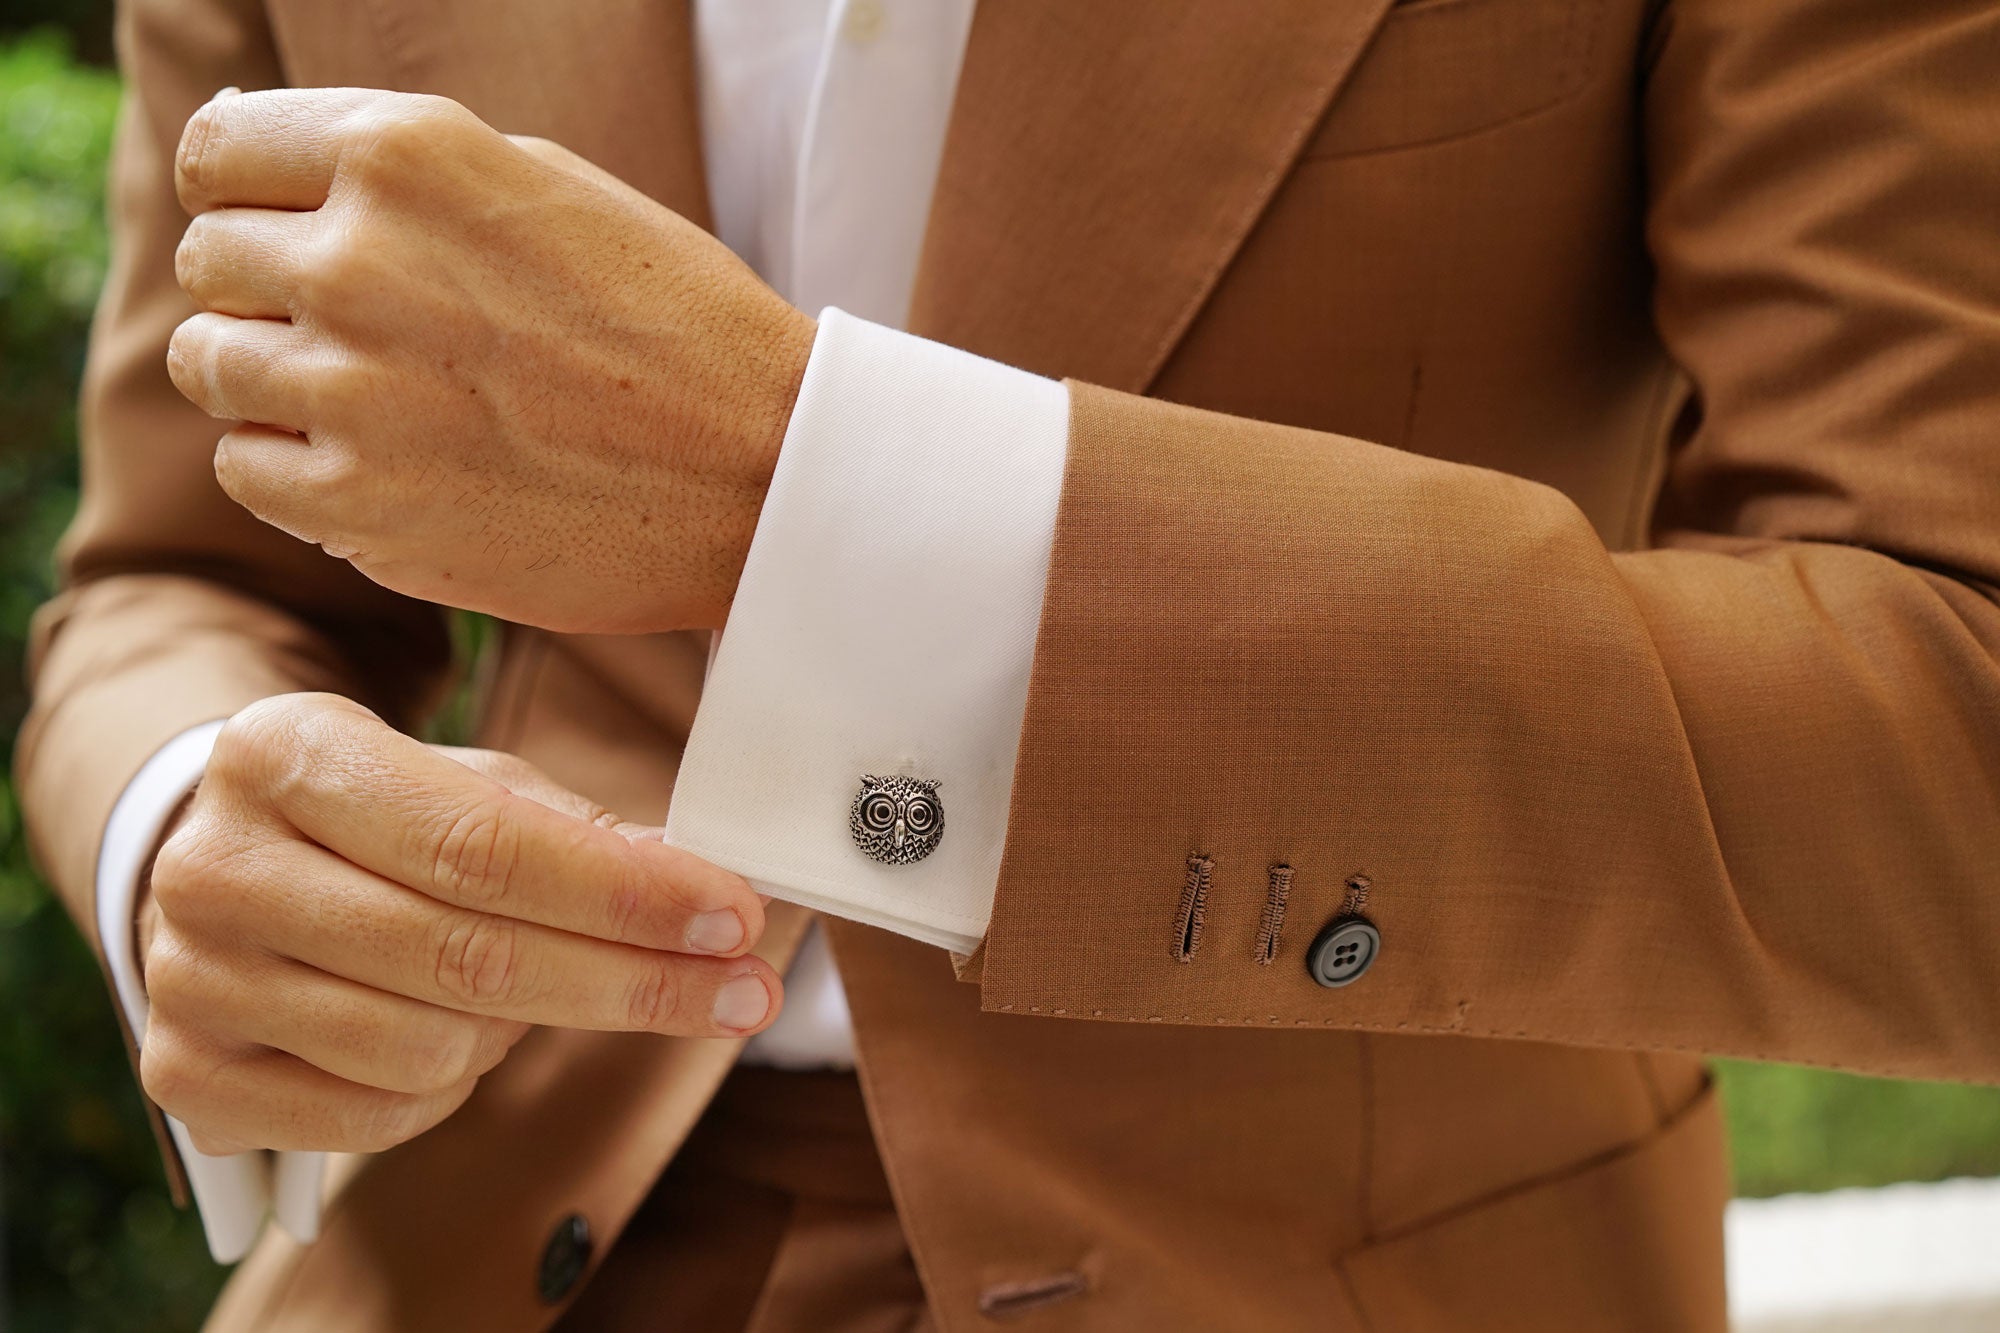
1644	664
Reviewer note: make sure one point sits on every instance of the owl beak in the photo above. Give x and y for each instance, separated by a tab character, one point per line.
901	830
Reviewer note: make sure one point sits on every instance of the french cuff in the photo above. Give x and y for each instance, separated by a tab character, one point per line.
881	638
235	1193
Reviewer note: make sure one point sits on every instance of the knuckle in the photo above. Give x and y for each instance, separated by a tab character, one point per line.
295	770
477	856
344	267
478	960
654	1000
382	1122
442	111
623	905
380	147
313	731
394	138
496	1038
177	868
233	475
256	734
169	1072
442	1055
196	864
194	163
189	353
340	390
343	471
273	750
542	150
189	271
166	972
440	122
262	755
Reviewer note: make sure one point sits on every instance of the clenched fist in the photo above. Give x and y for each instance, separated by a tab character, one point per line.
481	369
349	927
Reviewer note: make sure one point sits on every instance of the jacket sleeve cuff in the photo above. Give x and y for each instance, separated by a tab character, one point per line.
234	1193
884	625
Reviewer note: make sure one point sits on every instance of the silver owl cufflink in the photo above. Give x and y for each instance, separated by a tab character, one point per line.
897	821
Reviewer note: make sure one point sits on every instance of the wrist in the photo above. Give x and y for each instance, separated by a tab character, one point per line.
773	393
792	346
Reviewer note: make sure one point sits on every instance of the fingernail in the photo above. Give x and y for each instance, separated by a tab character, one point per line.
715	932
742	1003
231	91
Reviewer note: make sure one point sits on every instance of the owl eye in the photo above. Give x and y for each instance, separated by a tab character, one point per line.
919	815
878	812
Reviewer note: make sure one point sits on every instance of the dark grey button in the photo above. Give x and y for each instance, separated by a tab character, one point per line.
564	1258
1343	951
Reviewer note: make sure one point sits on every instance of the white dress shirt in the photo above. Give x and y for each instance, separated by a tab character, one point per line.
886	618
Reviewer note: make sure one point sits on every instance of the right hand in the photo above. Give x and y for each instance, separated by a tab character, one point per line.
348	927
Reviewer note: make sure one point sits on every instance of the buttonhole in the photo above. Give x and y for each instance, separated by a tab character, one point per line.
1193	910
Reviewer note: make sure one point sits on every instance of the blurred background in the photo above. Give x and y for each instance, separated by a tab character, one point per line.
91	1241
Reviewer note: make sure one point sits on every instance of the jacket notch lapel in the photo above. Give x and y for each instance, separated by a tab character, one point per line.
1104	163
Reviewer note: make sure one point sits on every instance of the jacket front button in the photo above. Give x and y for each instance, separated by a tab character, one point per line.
564	1258
1343	951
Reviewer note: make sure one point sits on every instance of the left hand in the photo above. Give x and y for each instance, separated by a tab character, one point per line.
481	369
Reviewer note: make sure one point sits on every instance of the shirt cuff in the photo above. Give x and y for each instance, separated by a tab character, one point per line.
233	1193
884	625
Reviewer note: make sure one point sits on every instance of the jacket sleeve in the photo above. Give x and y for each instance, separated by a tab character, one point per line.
176	606
1737	793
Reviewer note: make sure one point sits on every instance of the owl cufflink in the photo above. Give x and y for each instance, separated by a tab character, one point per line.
897	821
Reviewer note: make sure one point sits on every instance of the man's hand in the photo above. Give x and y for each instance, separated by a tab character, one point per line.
349	927
481	369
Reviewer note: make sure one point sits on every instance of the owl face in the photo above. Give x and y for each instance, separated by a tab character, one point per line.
897	820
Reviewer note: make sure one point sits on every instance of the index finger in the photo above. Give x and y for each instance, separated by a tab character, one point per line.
394	806
271	149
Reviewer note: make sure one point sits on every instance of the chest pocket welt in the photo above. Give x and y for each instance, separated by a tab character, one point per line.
1441	69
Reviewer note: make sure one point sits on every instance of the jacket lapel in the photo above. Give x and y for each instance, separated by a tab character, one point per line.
1105	161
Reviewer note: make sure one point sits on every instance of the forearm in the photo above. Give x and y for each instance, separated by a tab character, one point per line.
1729	801
1598	798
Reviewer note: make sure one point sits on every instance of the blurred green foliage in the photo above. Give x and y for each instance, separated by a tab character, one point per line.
91	1242
1804	1129
55	127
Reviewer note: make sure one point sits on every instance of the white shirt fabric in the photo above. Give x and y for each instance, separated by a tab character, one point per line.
885	624
886	618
